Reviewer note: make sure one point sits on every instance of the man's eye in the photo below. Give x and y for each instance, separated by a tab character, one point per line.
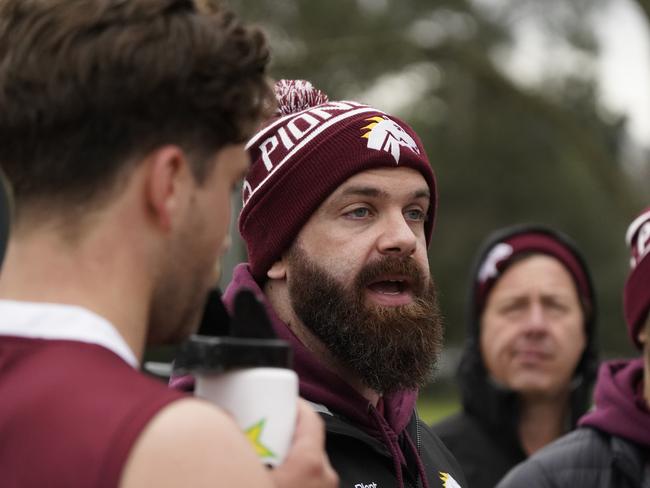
415	215
557	306
511	308
358	213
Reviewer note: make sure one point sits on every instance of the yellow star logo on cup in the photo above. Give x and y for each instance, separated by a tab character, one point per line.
253	434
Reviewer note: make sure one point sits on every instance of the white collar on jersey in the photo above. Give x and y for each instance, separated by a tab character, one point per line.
37	320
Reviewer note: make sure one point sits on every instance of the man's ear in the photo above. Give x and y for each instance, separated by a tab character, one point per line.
278	271
166	179
643	333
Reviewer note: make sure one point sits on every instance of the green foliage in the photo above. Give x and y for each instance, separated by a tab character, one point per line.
432	409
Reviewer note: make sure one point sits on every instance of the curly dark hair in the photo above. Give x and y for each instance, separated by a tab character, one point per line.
87	86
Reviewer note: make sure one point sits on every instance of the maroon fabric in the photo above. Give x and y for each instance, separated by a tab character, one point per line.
70	413
620	408
301	158
499	258
636	295
318	384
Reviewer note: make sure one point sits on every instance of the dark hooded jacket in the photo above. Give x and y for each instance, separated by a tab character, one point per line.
483	436
367	448
611	447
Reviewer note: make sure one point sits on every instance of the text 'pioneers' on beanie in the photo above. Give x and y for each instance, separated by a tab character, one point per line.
636	294
300	157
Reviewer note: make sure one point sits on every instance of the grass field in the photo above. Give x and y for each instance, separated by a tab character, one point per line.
432	410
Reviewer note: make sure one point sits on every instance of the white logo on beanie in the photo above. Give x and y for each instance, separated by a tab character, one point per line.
385	134
489	267
643	241
638	237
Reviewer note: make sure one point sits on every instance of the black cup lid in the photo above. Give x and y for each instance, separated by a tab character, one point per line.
218	354
246	340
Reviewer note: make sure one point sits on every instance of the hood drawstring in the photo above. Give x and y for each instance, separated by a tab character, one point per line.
418	461
390	438
391	441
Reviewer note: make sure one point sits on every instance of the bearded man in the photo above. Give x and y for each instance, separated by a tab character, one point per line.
338	212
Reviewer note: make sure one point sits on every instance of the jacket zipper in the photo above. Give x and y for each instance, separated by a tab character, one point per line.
418	440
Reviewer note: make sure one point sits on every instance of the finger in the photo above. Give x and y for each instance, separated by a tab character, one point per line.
309	426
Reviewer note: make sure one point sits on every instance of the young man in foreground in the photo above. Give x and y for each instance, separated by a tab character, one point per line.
122	126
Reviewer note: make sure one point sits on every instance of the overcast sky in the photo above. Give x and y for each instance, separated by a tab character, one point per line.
623	69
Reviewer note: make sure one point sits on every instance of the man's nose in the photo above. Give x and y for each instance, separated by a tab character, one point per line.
535	321
397	237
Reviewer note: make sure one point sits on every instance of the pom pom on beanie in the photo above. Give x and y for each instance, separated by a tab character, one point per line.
296	95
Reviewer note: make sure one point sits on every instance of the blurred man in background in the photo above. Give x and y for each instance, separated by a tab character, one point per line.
122	126
530	356
610	449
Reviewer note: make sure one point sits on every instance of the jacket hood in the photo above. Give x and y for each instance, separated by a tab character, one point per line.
620	408
496	406
317	383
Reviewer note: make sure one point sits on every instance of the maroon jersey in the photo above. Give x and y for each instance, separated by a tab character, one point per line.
70	412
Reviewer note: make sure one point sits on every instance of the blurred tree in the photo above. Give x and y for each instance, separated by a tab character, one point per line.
502	153
645	7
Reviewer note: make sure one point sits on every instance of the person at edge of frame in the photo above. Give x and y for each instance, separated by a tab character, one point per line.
6	206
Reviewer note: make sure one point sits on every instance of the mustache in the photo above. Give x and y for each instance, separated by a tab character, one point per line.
393	265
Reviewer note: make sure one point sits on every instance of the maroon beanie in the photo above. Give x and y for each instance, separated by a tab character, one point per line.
502	253
636	295
302	156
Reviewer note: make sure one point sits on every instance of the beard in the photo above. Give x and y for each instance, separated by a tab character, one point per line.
389	348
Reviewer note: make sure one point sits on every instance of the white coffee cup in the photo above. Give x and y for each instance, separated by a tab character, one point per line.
247	373
263	401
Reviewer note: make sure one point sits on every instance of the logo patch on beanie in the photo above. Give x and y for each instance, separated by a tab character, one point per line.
489	267
643	241
385	134
638	237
